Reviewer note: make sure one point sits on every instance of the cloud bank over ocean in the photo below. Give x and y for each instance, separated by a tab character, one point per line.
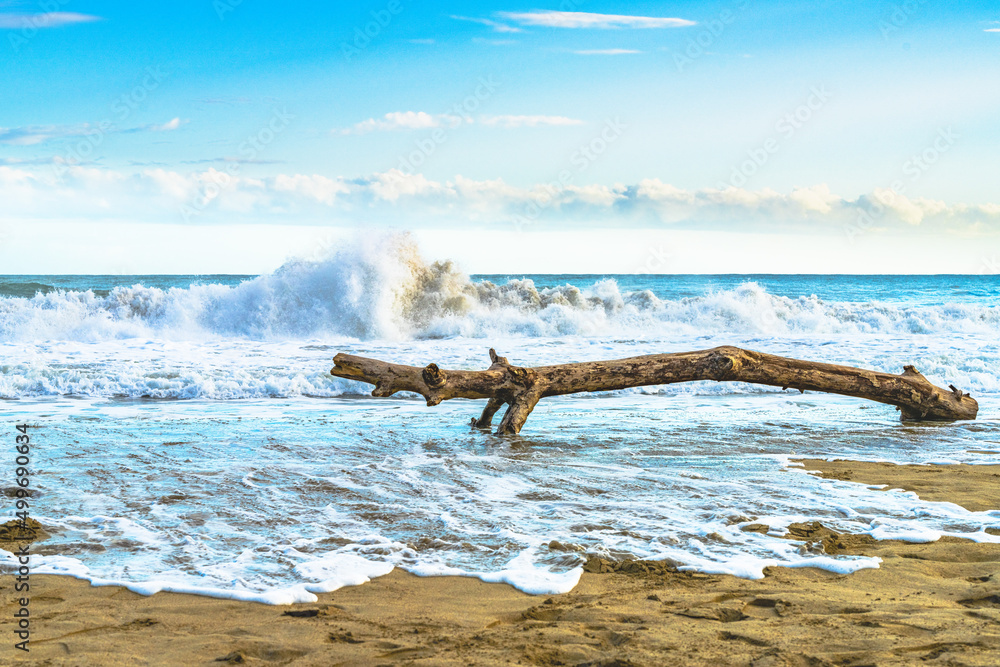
215	195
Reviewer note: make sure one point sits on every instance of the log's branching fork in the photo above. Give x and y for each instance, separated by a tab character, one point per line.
521	388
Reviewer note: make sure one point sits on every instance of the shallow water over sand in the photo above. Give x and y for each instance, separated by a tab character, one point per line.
267	499
188	434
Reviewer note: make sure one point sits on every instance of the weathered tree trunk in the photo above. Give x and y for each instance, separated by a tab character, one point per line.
522	388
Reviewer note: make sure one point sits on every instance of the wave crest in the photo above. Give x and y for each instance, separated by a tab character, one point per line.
384	290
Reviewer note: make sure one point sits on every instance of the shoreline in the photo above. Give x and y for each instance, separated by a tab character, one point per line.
933	603
974	487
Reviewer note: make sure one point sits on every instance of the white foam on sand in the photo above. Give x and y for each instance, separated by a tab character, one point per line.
338	570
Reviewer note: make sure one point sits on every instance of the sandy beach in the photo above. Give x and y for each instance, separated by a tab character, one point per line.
976	488
934	604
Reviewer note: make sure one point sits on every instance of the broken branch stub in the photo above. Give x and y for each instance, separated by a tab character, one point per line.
521	388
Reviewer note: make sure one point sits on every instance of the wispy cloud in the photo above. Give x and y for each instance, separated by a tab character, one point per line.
30	135
421	120
992	30
494	42
13	21
11	161
606	52
233	160
554	19
496	25
168	126
227	100
403	120
528	121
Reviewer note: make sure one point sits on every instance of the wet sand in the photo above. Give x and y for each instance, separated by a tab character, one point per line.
929	604
976	488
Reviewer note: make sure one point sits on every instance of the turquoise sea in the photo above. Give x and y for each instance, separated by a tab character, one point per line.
187	434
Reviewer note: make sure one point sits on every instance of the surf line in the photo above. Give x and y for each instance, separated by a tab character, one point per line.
24	531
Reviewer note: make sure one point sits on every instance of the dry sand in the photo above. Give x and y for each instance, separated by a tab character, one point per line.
929	604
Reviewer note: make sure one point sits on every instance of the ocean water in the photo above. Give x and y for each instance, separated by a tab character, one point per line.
187	434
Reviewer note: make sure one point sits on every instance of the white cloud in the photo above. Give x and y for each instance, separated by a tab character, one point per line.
168	126
817	198
497	26
554	19
655	190
324	190
992	30
596	196
394	185
415	201
171	183
403	120
605	52
527	121
10	21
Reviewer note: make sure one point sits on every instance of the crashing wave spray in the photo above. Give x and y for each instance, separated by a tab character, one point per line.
381	289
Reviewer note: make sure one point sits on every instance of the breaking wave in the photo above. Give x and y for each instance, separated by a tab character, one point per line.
383	290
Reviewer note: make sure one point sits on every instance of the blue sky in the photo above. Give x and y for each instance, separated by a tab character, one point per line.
865	125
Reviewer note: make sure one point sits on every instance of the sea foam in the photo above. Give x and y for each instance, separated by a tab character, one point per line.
386	291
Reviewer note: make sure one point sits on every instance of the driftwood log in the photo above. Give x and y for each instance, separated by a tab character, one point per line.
522	388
